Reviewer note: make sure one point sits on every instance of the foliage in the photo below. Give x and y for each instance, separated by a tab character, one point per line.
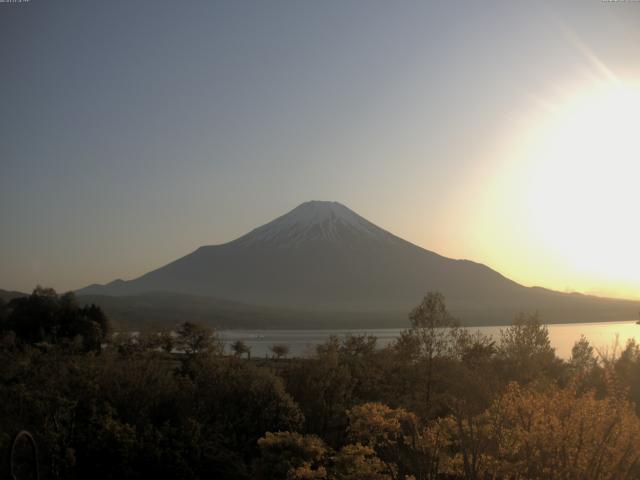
434	328
139	416
322	386
358	462
403	443
193	339
441	402
238	402
240	348
46	317
583	359
526	351
279	350
560	434
432	325
291	456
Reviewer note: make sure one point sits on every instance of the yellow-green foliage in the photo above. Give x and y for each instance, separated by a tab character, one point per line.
551	434
291	456
440	403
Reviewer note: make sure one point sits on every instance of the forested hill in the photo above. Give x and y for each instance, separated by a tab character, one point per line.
8	295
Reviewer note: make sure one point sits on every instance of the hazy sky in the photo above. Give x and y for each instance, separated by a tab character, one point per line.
132	132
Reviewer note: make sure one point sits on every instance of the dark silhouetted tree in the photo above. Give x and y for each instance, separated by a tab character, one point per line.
583	358
526	350
240	348
279	350
433	328
45	317
193	339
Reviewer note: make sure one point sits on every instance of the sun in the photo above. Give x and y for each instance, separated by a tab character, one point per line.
581	183
560	207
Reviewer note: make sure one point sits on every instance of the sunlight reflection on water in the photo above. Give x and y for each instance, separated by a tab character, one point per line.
602	336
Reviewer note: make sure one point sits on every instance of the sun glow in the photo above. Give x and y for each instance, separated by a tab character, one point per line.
573	183
580	180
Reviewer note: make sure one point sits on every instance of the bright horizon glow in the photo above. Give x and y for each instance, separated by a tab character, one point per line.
574	180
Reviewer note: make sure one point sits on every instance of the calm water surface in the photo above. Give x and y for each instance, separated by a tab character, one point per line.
302	342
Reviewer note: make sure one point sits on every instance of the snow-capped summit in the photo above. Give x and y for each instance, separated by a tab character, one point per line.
315	221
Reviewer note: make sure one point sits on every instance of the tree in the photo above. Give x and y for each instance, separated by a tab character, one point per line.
45	316
323	387
622	374
3	314
279	350
291	456
239	402
526	351
559	433
474	349
432	326
35	318
358	346
166	341
399	439
582	358
194	339
7	336
360	356
358	462
470	388
239	348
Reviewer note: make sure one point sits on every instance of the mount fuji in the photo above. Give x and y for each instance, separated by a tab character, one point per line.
322	257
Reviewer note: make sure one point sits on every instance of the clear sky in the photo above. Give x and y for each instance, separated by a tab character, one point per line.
132	132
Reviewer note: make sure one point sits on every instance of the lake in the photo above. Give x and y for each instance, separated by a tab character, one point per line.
602	336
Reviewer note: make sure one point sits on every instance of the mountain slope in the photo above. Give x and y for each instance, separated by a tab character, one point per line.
322	256
8	295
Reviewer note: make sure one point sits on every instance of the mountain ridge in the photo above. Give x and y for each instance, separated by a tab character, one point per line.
324	256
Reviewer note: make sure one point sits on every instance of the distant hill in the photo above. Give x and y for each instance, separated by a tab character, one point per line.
7	295
323	259
161	310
